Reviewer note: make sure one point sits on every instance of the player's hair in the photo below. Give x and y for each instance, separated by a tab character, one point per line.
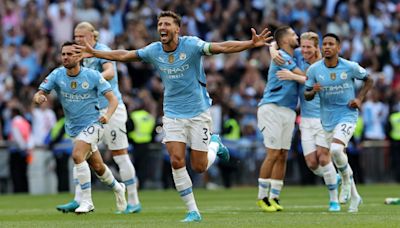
310	36
336	37
68	43
280	33
89	27
176	17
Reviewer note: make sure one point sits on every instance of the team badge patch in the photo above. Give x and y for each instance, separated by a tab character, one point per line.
171	58
333	76
343	75
85	85
74	84
182	56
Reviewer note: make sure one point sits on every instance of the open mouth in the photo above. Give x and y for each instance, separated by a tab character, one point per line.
163	34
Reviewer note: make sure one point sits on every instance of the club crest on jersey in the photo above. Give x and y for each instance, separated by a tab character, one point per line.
343	75
333	76
85	85
182	56
171	58
74	84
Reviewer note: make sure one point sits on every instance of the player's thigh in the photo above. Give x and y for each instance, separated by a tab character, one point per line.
270	123
91	136
175	130
199	131
312	135
115	130
343	132
320	136
288	117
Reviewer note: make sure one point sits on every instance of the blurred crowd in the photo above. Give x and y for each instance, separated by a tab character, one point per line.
32	31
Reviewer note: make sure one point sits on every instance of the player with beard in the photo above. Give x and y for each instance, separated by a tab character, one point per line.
276	118
78	89
187	119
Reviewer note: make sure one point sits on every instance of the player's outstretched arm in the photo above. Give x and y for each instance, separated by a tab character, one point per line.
112	106
40	97
367	85
88	51
257	40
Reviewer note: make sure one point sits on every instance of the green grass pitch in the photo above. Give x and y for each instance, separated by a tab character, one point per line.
304	207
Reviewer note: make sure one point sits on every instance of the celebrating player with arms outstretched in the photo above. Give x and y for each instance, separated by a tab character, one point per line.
187	120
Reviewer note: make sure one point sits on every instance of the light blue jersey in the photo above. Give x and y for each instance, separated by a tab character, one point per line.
182	73
308	109
281	92
337	90
78	95
97	64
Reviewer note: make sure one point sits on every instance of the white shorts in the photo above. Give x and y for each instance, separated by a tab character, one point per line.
342	131
195	132
92	135
276	123
115	135
312	135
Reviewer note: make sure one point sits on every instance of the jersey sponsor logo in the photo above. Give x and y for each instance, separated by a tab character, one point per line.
75	97
85	85
171	58
182	56
333	76
74	84
343	75
175	72
336	89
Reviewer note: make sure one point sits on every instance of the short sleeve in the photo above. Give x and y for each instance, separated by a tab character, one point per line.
310	78
103	86
48	83
289	62
358	71
144	53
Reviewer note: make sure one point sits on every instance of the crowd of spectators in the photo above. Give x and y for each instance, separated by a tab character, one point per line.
32	31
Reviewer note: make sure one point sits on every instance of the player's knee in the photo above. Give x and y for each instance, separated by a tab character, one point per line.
312	163
336	150
199	168
177	162
78	158
324	159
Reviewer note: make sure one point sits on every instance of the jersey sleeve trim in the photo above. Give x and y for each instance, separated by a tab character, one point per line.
207	49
